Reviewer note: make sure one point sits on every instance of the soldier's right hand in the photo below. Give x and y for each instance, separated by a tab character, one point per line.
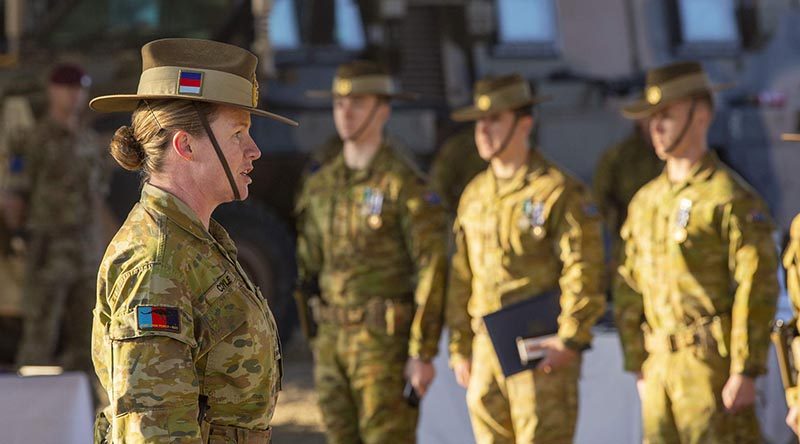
462	370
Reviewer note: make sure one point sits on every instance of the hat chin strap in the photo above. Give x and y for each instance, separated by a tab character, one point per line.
204	122
685	129
364	125
507	140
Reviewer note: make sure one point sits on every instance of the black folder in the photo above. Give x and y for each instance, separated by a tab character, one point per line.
531	318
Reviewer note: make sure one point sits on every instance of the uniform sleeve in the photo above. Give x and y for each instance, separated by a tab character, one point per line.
629	304
309	251
459	290
153	387
22	162
577	238
423	223
753	265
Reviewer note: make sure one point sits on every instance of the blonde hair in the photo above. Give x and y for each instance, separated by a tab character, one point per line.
143	145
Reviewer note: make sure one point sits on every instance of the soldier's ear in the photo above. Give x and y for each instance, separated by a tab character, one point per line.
181	143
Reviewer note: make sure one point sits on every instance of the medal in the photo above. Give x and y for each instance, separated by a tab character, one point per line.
682	220
375	221
538	232
535	213
373	207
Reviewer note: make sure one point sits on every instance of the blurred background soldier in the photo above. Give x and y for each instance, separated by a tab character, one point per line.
524	228
58	180
620	172
371	263
455	165
700	270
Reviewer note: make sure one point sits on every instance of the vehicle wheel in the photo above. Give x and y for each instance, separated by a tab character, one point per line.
267	254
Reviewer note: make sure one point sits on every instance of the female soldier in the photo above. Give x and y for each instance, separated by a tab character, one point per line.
183	342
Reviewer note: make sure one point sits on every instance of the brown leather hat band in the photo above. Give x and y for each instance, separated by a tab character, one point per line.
213	85
372	84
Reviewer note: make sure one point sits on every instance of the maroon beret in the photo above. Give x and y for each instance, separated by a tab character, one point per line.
70	74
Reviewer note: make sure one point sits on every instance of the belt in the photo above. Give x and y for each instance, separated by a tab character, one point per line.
707	331
222	434
380	313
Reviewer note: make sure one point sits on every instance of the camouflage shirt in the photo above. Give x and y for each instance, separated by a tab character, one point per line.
695	250
538	232
620	172
375	233
791	261
63	174
177	319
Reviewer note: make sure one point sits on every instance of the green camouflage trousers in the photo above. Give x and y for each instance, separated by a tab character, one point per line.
530	407
683	400
359	380
58	297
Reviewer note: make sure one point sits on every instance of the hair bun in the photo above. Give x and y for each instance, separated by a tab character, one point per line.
127	151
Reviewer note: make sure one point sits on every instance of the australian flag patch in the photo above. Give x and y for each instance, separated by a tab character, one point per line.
159	318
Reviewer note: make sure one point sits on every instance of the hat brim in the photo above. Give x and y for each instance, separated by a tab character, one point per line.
129	102
642	109
326	94
472	112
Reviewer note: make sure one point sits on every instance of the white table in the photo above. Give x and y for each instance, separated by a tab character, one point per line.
45	409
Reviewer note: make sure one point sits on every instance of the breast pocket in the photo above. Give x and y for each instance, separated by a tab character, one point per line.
242	363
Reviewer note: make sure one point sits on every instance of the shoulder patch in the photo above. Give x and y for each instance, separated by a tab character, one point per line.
432	198
756	216
158	318
590	209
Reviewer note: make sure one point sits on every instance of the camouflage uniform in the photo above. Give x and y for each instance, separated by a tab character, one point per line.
620	172
514	240
63	249
456	163
791	261
374	240
699	270
182	340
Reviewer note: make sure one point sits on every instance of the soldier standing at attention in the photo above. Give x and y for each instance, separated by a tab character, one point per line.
371	259
183	342
699	280
58	178
524	227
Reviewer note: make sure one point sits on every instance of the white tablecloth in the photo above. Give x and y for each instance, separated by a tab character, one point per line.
45	409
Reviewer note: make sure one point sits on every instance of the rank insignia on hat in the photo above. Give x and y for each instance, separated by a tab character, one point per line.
190	82
160	318
653	95
484	103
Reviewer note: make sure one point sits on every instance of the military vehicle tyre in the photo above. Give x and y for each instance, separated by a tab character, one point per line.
267	254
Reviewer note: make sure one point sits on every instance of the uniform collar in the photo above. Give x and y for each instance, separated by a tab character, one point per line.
527	172
701	171
382	159
178	212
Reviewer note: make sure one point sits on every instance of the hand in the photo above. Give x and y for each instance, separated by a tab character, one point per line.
739	392
791	419
557	355
463	370
420	373
640	386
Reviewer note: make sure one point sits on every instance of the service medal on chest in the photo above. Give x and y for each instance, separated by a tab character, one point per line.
682	220
375	221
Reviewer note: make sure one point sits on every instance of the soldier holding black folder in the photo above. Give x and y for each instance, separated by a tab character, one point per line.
525	229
